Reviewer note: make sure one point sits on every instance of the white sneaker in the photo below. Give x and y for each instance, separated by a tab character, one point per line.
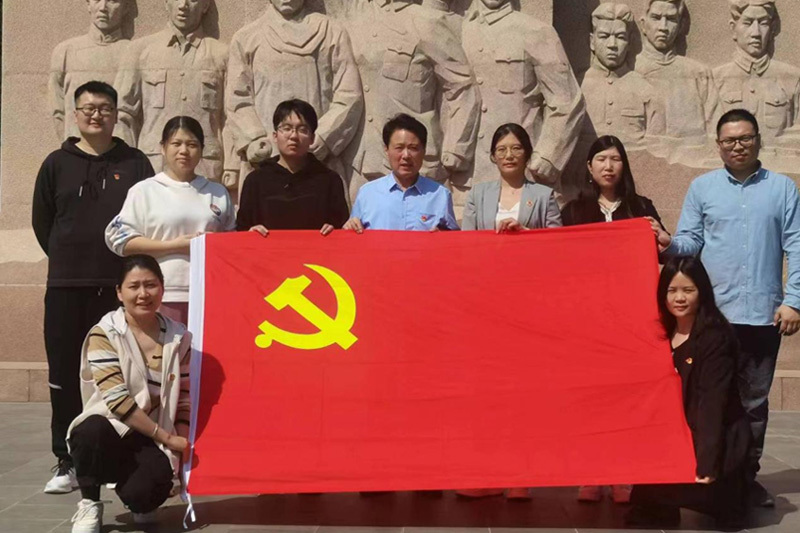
63	481
145	518
89	517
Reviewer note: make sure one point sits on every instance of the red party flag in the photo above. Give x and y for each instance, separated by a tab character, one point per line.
402	360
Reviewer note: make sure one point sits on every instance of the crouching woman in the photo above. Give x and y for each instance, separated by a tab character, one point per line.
704	351
135	387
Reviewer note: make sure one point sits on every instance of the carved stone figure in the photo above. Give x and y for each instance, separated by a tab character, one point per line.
619	101
93	56
445	7
408	59
177	71
753	80
685	85
290	52
524	76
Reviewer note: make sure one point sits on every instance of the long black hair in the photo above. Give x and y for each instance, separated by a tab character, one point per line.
708	314
631	204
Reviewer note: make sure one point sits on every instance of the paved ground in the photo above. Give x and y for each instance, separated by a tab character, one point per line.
25	463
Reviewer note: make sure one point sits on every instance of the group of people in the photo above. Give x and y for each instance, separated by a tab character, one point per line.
115	232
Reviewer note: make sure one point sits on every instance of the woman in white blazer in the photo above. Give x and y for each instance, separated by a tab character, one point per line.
512	202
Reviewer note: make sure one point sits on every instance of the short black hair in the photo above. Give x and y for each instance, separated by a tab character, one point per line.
737	115
145	262
517	131
183	123
301	108
405	122
97	87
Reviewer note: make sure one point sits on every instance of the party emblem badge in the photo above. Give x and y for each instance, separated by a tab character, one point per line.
689	361
529	203
424	218
116	176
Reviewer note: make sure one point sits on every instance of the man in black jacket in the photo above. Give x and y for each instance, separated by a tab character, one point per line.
79	189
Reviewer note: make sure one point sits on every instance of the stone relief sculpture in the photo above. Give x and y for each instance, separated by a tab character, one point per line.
768	88
408	58
619	101
523	76
93	56
686	86
445	7
177	71
290	52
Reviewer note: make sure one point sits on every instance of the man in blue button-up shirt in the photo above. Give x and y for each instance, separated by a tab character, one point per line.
742	219
403	200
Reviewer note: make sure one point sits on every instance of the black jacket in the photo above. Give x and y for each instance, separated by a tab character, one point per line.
586	210
277	199
75	197
707	364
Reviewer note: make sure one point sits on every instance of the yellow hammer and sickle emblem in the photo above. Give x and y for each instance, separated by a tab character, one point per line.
331	330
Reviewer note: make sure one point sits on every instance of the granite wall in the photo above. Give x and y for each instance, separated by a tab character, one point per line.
32	30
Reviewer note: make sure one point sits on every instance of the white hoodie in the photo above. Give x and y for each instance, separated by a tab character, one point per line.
161	208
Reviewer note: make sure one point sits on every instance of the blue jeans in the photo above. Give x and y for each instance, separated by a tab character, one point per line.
758	353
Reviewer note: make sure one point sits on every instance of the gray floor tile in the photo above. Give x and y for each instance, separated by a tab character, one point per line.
28	526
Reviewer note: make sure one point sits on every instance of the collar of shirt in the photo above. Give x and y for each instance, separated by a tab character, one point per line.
192	39
394	186
758	175
608	212
395	5
617	73
98	37
748	64
490	16
662	58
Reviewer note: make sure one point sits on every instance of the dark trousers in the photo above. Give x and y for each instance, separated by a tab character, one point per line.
142	472
758	354
69	314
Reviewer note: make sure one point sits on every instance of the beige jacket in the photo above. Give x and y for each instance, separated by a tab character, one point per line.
174	390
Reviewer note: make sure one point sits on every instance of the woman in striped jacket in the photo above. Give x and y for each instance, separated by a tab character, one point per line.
135	388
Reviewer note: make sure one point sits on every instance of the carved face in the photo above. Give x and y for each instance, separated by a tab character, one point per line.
661	25
753	31
288	8
186	15
494	4
609	42
406	153
107	15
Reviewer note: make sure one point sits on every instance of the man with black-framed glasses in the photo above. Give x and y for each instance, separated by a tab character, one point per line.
741	220
79	189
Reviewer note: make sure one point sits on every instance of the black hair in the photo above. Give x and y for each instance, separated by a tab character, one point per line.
517	131
737	115
183	123
405	122
301	108
145	262
97	87
631	203
708	314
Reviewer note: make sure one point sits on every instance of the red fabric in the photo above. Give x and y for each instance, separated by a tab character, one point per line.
482	360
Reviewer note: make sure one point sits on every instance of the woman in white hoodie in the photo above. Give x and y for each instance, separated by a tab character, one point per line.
135	388
162	214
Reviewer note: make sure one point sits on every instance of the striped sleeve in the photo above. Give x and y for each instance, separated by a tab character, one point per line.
107	374
183	414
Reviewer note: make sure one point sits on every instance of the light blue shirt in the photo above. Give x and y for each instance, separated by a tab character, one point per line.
382	204
741	231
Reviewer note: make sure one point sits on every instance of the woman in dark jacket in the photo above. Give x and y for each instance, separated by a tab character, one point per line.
609	192
704	353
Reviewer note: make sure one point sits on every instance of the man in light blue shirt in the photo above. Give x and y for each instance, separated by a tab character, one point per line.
403	200
741	220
